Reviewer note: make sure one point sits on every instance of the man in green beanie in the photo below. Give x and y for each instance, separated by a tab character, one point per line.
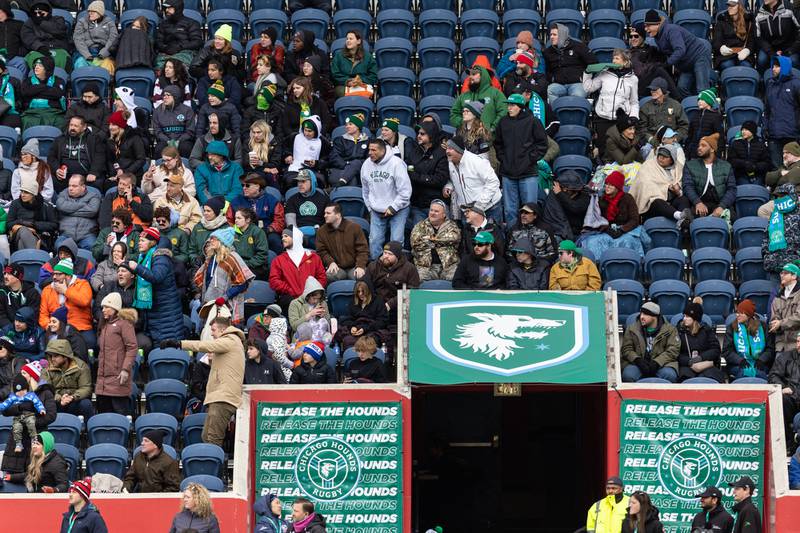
483	269
348	152
704	123
218	176
573	272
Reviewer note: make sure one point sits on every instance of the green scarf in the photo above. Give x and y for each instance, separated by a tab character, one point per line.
144	289
749	347
777	239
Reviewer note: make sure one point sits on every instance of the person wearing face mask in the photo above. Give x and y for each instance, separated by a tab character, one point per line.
45	34
91	107
43	96
607	515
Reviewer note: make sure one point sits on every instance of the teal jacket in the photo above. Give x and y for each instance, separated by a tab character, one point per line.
211	182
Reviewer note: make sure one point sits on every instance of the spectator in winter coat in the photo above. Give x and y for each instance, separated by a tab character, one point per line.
219	49
261	155
572	197
46	33
699	355
215	72
477	138
609	513
15	293
128	197
310	151
342	246
713	516
71	378
657	188
709	196
734	37
386	190
705	122
749	156
573	272
480	89
177	35
528	272
174	123
224	109
82	515
121	230
32	168
215	213
92	107
66	249
782	107
302	103
218	176
309	312
784	317
483	269
32	221
250	241
126	148
314	368
642	515
786	174
48	472
747	349
366	316
68	289
260	368
43	95
268	46
78	206
268	510
117	343
389	274
434	244
268	210
647	61
196	512
526	70
690	55
289	271
152	469
472	181
348	152
661	110
173	73
620	142
95	35
427	168
218	130
777	31
352	65
301	48
155	181
135	46
25	334
531	225
10	35
475	220
80	152
566	60
650	347
365	367
321	85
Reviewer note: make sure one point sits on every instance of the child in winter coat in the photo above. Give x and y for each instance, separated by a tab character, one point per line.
276	342
224	109
20	394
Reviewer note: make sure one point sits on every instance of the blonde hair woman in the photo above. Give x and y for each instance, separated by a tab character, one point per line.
47	470
154	181
196	512
264	156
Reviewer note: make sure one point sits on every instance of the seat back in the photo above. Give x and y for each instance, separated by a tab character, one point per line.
395	23
473	47
749	231
437	80
479	23
192	428
202	459
314	20
664	263
620	263
73	458
349	105
517	20
572	110
347	20
606	23
340	294
709	231
749	197
268	18
66	428
396	80
140	80
603	47
212	483
438	104
671	295
351	200
742	108
630	294
717	298
403	108
573	139
169	363
711	263
739	81
759	291
750	264
106	459
695	21
165	396
111	428
168	425
436	52
393	52
579	163
663	232
571	18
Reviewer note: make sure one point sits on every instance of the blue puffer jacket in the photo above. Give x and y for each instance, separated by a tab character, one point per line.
794	471
681	47
267	521
163	320
88	520
29	343
782	98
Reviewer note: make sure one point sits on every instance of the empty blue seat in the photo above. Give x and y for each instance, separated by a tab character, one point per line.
45	134
448	5
73	458
654	380
437	80
311	19
260	292
750	381
467	5
141	80
396	81
606	23
739	81
695	21
475	46
709	231
393	52
172	363
620	263
8	141
401	107
150	5
353	4
749	197
106	459
436	52
572	5
571	18
395	23
603	47
212	483
690	107
680	5
572	110
758	290
30	259
348	105
66	428
268	18
192	428
718	296
436	285
166	423
671	295
194	15
438	23
351	200
579	163
165	396
480	23
749	231
111	428
630	295
739	109
711	263
82	76
750	264
521	4
202	458
67	16
5	427
340	294
346	20
363	222
701	380
664	263
267	4
439	104
573	139
517	20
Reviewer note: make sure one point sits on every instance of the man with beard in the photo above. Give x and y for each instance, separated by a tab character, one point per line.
526	71
121	229
91	107
476	220
16	293
713	517
483	269
77	152
434	244
177	36
708	182
390	273
71	378
531	226
32	221
174	122
480	89
607	515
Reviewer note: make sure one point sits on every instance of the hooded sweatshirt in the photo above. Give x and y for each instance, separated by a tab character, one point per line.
175	123
28	343
385	184
290	270
782	98
305	149
178	32
568	59
300	306
493	99
46	33
307	209
266	520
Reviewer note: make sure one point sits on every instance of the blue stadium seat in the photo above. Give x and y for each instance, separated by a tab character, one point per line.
571	18
108	428
351	200
689	105
216	5
436	285
701	380
168	425
8	141
353	4
68	18
750	264
671	295
232	17
311	19
82	76
46	136
436	52
5	428
437	23
620	263
30	259
345	20
709	231
277	5
439	104
480	23
695	21
603	47
396	81
467	5
212	483
347	105
742	108
739	81
393	52
172	363
630	295
718	296
517	20
758	290
106	459
195	15
260	292
165	396
749	231
606	23
340	294
521	4
654	380
150	5
595	5
66	428
749	197
572	110
402	107
750	381
141	80
680	5
363	222
395	23
437	80
664	263
579	163
448	5
129	15
192	428
573	139
474	46
711	263
202	459
73	458
273	18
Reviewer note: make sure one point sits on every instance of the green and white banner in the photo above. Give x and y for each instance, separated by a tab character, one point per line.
491	337
672	451
345	457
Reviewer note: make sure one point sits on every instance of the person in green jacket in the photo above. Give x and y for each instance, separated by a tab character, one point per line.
480	89
215	210
167	222
250	242
352	65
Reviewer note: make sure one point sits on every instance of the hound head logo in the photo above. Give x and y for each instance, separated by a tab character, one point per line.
496	335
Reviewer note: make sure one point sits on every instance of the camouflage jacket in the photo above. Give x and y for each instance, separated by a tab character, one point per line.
446	244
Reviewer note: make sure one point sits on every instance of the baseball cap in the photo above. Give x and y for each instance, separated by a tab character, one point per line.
744	482
711	492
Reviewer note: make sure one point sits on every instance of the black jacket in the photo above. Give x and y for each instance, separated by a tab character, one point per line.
538	80
39	215
54	473
177	33
265	372
10	30
371	370
346	149
776	29
566	65
53	94
370	318
651	524
291	120
749	157
317	525
293	64
520	142
48	33
718	520
704	123
748	519
305	374
96	115
96	163
88	520
468	273
468	233
16	463
233	62
725	34
429	176
140	206
6	375
786	372
734	358
10	301
131	155
533	278
272	116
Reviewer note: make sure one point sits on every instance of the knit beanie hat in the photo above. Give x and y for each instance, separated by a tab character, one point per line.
8	344
792	148
712	140
708	96
29	184
118	119
475	106
265	96
156	436
82	487
31	147
395	248
652	17
457	144
16	270
152	233
225	31
314	349
217	89
216	204
60	314
64	266
650	309
392	123
224	235
270	32
746	307
357	119
750	126
694	309
617	179
112	300
19	383
34	369
98	7
525	37
624	121
218	148
48	441
525	58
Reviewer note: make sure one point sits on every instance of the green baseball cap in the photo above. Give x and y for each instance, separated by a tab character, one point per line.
791	267
517	99
569	246
484	237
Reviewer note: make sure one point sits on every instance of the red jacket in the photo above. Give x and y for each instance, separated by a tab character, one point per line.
276	51
285	278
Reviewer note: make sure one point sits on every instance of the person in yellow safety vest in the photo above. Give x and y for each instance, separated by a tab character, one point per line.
606	515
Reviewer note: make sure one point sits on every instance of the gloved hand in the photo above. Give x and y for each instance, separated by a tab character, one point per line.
642	365
220	301
750	167
123	377
48	490
170	343
724	50
743	54
653	367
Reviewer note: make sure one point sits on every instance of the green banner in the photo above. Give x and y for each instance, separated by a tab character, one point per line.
345	457
672	451
500	337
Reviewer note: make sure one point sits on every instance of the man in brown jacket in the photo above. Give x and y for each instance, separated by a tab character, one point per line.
70	377
224	389
342	246
152	470
785	316
389	273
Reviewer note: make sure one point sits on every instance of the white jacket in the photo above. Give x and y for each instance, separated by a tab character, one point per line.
473	180
385	184
616	92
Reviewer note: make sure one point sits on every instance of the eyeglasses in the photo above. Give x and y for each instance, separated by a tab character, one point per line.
162	221
479	244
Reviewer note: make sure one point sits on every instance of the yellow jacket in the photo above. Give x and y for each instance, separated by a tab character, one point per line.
606	515
584	277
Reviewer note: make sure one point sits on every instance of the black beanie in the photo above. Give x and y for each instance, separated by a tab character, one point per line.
750	126
271	33
694	310
216	203
20	383
395	248
91	87
156	436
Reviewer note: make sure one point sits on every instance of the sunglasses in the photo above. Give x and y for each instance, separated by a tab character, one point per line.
635	36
